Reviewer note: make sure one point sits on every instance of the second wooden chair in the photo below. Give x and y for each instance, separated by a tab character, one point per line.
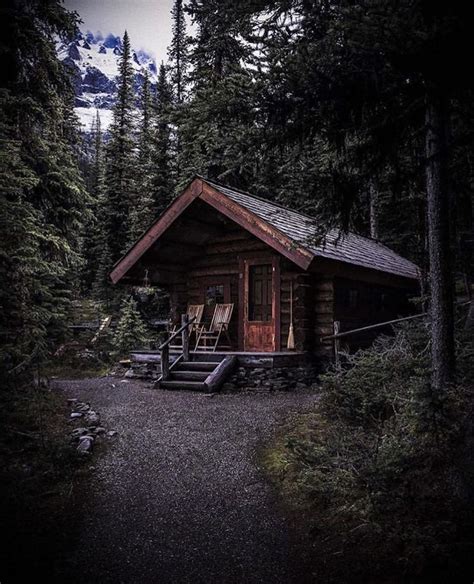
208	339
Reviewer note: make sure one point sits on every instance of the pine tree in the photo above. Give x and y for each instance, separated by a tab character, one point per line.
121	159
94	235
162	183
141	210
131	331
217	126
178	52
42	196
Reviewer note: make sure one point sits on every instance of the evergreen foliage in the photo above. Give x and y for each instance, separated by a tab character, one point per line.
121	159
379	465
42	195
141	211
131	331
93	236
162	177
178	53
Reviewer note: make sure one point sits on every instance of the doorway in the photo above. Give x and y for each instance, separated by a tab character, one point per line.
261	295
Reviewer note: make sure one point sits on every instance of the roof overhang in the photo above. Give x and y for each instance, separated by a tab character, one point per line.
199	188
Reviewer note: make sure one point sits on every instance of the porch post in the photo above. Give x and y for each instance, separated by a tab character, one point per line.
185	334
165	362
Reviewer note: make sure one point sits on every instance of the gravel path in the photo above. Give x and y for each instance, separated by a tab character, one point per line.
177	497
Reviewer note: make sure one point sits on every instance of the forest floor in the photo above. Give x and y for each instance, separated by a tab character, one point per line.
178	495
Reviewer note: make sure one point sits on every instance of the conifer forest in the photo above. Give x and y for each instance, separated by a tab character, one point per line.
359	115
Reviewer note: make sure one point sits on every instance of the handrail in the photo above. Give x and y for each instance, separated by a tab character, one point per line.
176	333
164	348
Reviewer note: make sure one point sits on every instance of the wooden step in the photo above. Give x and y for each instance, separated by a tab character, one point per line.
191	385
196	366
189	375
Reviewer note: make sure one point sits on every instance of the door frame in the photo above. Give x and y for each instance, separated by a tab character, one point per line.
252	259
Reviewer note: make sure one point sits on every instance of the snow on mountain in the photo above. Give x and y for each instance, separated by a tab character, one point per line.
94	65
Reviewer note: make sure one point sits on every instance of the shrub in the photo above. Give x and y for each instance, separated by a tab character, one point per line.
131	331
379	466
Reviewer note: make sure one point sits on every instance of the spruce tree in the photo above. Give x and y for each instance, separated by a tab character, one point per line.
121	159
162	175
178	52
217	126
94	234
131	331
141	209
42	196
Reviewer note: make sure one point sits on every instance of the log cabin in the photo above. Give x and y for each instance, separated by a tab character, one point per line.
216	244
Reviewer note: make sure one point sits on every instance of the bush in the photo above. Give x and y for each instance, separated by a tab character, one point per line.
131	331
380	466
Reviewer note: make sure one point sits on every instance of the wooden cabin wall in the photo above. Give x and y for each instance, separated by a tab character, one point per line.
290	276
358	304
322	298
219	263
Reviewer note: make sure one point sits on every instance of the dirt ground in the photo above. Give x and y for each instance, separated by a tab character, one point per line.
177	495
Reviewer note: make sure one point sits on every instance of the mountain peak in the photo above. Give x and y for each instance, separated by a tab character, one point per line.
93	61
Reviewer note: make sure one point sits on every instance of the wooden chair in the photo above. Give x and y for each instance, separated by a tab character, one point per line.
194	310
219	325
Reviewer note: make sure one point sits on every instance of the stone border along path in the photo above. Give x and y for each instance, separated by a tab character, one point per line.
177	496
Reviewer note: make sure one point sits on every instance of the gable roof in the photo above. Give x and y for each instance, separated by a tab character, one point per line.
345	247
289	232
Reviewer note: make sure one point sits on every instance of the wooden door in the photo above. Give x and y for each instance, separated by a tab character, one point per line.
261	282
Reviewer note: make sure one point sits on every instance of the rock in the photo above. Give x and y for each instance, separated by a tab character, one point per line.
92	418
75	415
85	446
79	432
72	400
124	380
112	433
86	437
100	430
129	373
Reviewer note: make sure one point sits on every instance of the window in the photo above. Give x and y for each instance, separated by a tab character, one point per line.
260	292
215	295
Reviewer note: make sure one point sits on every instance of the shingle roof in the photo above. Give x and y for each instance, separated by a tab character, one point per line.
344	247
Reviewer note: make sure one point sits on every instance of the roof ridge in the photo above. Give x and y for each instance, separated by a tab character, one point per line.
263	199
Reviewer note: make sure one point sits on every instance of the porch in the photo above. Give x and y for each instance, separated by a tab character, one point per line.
248	359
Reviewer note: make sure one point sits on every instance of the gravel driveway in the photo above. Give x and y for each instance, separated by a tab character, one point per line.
177	497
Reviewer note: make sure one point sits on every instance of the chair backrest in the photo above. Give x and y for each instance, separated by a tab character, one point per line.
195	310
222	315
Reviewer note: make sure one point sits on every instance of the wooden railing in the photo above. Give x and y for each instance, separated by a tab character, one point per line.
164	348
337	325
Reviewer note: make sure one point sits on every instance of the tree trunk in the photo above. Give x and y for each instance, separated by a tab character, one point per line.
373	209
439	239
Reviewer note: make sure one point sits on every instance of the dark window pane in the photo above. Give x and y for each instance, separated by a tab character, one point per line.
215	295
260	293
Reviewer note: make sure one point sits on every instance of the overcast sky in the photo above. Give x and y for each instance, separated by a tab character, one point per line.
148	21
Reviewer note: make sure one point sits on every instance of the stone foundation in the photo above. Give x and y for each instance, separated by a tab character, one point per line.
245	378
274	379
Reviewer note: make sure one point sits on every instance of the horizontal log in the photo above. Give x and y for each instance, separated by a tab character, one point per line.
215	380
224	271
